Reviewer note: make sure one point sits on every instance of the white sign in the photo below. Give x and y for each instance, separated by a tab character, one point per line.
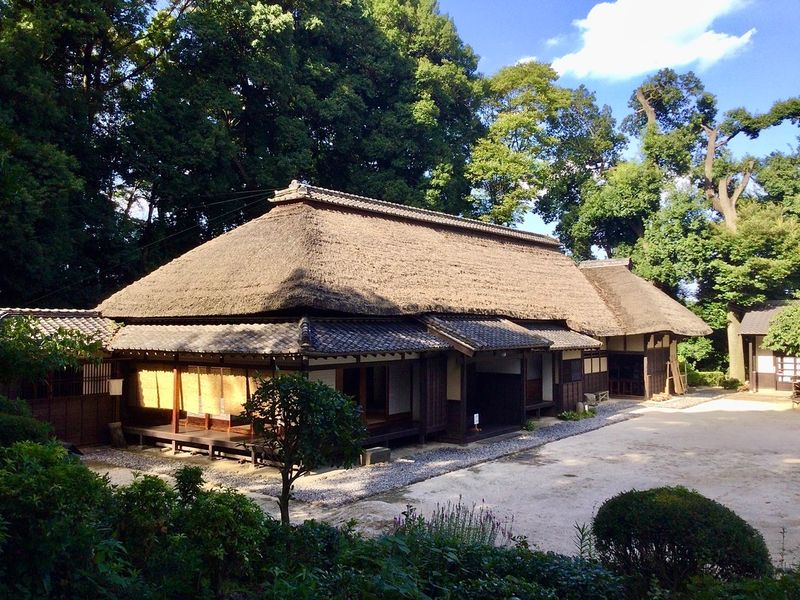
476	419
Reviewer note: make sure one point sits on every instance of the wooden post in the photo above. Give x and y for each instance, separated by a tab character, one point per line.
423	398
362	392
463	426
646	377
176	395
525	354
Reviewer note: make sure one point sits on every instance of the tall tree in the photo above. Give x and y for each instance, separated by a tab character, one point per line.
615	209
375	98
679	118
543	142
63	67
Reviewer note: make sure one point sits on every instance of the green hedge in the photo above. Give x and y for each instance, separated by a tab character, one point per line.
709	378
671	534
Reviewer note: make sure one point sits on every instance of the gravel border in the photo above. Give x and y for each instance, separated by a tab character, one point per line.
343	486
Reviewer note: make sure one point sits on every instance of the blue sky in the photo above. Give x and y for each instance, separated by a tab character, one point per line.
747	52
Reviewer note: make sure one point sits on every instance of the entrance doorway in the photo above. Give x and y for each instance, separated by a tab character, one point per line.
626	374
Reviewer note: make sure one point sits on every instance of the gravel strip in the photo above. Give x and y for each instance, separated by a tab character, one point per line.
150	460
343	486
681	402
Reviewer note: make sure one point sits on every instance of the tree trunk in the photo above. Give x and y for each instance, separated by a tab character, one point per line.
283	499
735	347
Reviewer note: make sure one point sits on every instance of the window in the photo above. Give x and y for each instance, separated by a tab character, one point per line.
535	366
370	393
214	390
787	368
572	371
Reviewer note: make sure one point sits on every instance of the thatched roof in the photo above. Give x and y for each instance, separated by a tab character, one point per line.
321	250
756	321
50	320
638	305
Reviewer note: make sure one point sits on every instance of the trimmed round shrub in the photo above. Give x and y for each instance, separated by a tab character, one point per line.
671	534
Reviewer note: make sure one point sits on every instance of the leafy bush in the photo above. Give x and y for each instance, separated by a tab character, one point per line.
505	588
709	378
530	425
188	483
570	577
144	512
573	415
15	428
672	534
226	530
18	425
730	383
783	587
11	406
56	538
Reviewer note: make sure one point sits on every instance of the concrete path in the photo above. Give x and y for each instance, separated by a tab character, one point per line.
744	453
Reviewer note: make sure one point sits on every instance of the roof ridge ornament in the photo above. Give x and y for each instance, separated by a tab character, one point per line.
304	334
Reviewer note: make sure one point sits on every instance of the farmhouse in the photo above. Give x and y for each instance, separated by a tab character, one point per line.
437	325
767	370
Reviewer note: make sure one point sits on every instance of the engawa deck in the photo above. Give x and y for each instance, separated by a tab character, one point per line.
214	442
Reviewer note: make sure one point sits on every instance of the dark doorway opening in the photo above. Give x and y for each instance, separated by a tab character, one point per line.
626	374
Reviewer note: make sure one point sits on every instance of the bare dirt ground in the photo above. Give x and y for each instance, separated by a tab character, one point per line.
744	453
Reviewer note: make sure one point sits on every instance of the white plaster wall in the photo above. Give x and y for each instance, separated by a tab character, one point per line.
547	377
765	363
328	377
453	377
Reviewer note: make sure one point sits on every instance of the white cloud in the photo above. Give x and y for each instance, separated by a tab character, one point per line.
627	38
526	59
554	41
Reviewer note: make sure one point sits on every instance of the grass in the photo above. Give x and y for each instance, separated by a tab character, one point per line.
572	415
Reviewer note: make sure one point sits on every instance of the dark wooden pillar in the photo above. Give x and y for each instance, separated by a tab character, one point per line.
424	408
362	391
524	386
463	426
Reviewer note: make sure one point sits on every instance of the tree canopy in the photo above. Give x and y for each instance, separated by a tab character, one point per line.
134	130
303	425
783	334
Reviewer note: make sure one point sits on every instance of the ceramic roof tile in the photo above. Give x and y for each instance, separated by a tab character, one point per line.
51	320
366	337
561	337
480	333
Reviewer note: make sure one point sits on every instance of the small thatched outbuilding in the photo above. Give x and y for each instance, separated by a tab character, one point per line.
437	325
767	370
643	361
